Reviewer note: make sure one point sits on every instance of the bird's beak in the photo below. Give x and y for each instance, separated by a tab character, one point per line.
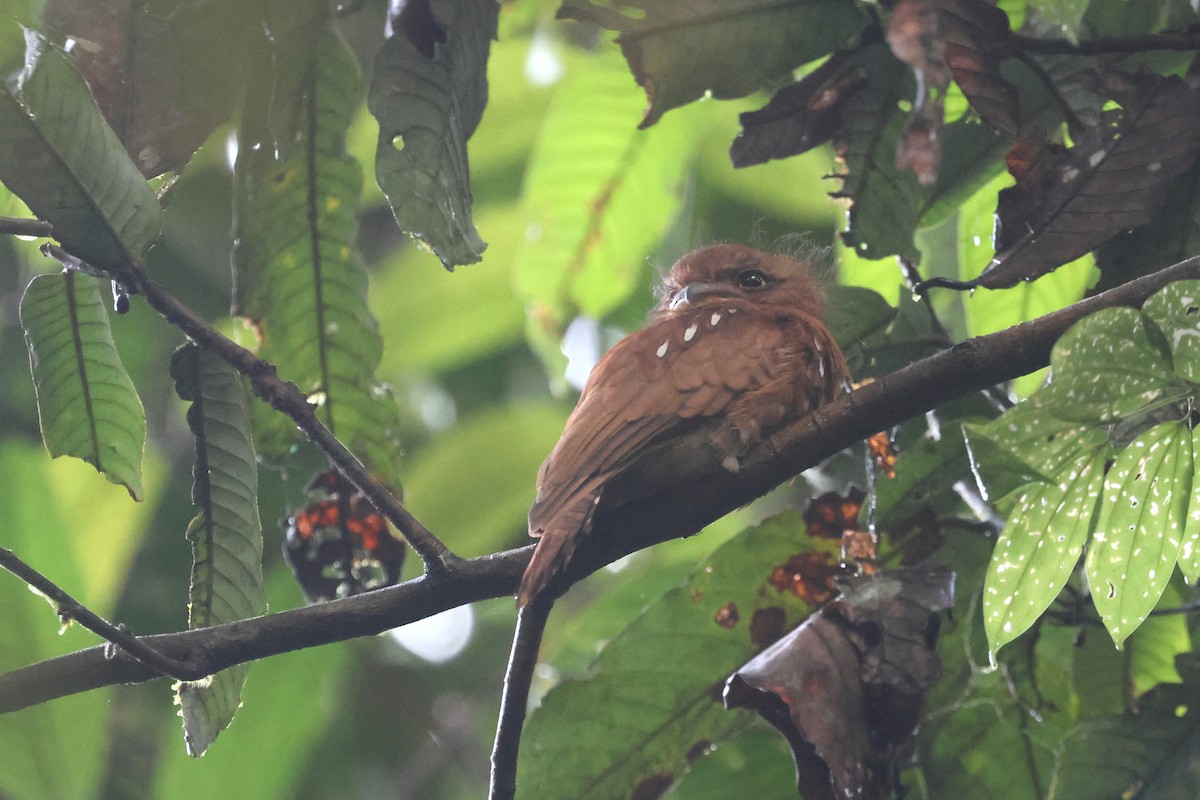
695	291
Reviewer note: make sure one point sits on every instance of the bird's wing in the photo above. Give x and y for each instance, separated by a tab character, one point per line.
649	384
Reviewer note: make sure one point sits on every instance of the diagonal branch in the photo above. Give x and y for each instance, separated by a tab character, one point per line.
680	511
286	397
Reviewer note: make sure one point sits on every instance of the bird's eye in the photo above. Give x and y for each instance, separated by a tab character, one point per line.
751	279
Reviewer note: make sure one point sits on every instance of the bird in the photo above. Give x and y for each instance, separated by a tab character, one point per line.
735	348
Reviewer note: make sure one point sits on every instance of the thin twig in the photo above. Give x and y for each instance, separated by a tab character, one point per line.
287	398
71	609
531	623
1114	44
25	227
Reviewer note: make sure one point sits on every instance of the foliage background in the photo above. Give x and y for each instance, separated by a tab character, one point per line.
370	718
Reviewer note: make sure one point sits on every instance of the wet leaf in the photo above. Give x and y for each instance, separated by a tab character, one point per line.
428	93
1189	551
680	51
1138	533
846	687
1115	177
974	37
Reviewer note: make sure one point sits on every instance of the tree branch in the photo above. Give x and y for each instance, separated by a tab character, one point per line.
71	609
679	511
287	398
15	226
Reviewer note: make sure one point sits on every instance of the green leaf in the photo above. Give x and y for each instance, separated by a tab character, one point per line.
650	698
296	276
1137	539
428	98
153	73
450	319
87	404
478	479
63	160
999	471
1039	548
856	313
33	741
680	51
226	535
294	703
1064	16
885	200
598	196
925	474
1106	367
1176	311
1149	753
1047	444
1189	551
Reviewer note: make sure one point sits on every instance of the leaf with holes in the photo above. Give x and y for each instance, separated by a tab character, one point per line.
1114	178
65	163
297	279
1039	548
653	694
428	93
226	535
680	51
1138	533
1107	367
1176	311
87	405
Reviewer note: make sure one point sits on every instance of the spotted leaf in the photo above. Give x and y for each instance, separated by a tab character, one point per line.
1137	539
1039	548
1189	552
1176	311
1045	443
1107	367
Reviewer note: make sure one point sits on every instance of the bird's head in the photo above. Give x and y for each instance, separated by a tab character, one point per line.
723	272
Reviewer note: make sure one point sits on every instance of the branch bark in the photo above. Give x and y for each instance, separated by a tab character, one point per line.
681	511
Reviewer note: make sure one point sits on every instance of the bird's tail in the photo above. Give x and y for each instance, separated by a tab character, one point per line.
556	544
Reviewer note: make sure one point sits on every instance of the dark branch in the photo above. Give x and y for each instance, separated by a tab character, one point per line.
287	398
527	641
25	227
680	511
71	609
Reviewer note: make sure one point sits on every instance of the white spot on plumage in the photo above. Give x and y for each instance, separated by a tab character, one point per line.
662	349
731	463
716	317
690	332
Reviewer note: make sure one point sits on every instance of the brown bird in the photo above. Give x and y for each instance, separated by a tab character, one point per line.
735	349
